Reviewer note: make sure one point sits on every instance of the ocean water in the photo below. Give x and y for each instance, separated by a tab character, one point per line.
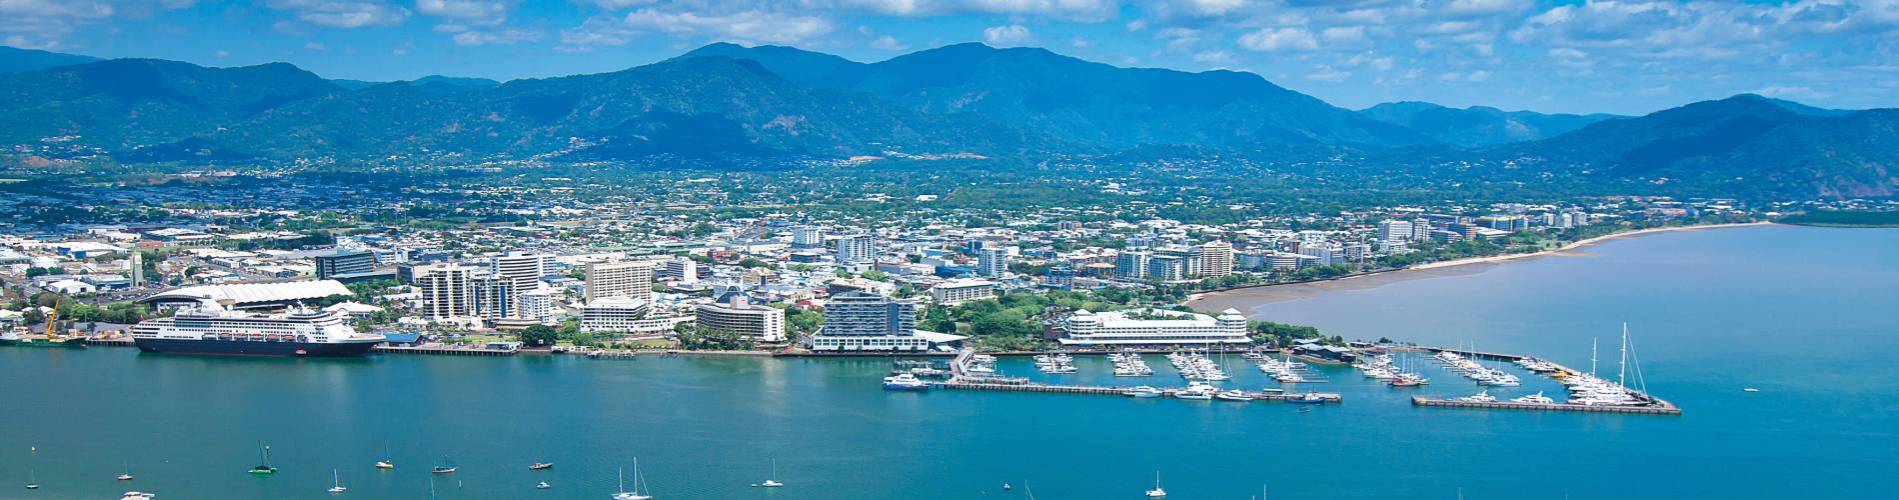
1809	316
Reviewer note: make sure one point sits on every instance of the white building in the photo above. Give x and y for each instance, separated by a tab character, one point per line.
1395	230
448	294
620	279
992	262
756	322
859	321
677	270
613	314
1132	264
538	305
856	248
954	292
1215	257
807	237
1158	327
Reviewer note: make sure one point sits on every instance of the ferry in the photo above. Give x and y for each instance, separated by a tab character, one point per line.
217	329
1144	392
905	382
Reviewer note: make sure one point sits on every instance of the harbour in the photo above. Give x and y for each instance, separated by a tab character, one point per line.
710	427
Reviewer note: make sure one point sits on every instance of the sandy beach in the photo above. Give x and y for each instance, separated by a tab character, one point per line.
1246	298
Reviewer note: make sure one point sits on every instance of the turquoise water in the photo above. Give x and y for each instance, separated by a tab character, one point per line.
1807	315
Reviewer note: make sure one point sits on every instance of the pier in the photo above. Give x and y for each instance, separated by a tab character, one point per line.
1660	408
960	379
1654	406
444	350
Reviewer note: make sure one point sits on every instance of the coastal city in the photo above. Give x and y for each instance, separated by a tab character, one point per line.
948	249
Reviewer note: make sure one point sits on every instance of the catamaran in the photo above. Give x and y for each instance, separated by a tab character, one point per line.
336	483
264	468
385	463
1157	492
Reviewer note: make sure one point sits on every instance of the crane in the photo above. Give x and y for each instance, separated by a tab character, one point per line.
52	334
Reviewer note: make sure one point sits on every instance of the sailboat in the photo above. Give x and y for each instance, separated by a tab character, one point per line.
127	476
773	481
385	463
264	468
636	494
30	483
336	483
1157	492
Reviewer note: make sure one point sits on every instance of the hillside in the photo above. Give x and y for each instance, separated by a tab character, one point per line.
1478	126
15	60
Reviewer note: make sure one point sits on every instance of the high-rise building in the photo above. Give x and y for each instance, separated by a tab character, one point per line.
955	292
1132	264
992	262
495	296
807	237
448	293
856	248
538	304
1215	258
1395	230
344	262
679	269
1167	268
755	322
862	321
620	279
137	272
522	271
1061	276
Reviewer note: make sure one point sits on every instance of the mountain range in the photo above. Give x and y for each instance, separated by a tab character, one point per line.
725	101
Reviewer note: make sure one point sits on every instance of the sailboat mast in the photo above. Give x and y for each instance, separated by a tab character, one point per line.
1621	377
1592	356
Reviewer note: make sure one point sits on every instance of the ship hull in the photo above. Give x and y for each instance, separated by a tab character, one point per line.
72	343
252	348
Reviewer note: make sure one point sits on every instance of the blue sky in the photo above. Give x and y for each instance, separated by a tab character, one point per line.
1597	56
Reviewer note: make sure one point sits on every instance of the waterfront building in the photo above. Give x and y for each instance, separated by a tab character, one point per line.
620	279
136	263
1395	230
448	294
955	292
619	314
992	262
522	271
1156	327
755	322
1325	254
340	261
860	321
1215	259
494	296
1166	268
856	248
1132	264
538	304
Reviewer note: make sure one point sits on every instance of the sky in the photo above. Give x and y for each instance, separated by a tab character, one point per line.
1626	57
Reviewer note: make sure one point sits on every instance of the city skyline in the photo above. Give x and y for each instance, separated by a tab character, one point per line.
1614	57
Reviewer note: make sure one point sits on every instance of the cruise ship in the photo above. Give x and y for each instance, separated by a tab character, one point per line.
213	328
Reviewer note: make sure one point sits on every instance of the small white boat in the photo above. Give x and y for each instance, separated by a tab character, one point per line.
336	483
543	485
636	494
1157	492
1196	390
1537	398
905	382
1750	389
773	481
1144	392
1479	397
1234	395
138	495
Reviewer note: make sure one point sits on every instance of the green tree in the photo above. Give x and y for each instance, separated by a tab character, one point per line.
539	335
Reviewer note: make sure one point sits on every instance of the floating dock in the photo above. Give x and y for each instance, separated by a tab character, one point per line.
1112	391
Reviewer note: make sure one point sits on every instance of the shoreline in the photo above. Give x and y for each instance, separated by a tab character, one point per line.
1441	267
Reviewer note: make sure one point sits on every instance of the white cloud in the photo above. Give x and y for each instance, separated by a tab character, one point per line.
890	43
315	47
1327	74
755	26
1343	34
1089	11
1275	39
1218	57
1007	36
482	12
595	32
508	36
342	13
221	54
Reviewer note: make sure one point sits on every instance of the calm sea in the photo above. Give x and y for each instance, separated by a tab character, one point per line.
1809	316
